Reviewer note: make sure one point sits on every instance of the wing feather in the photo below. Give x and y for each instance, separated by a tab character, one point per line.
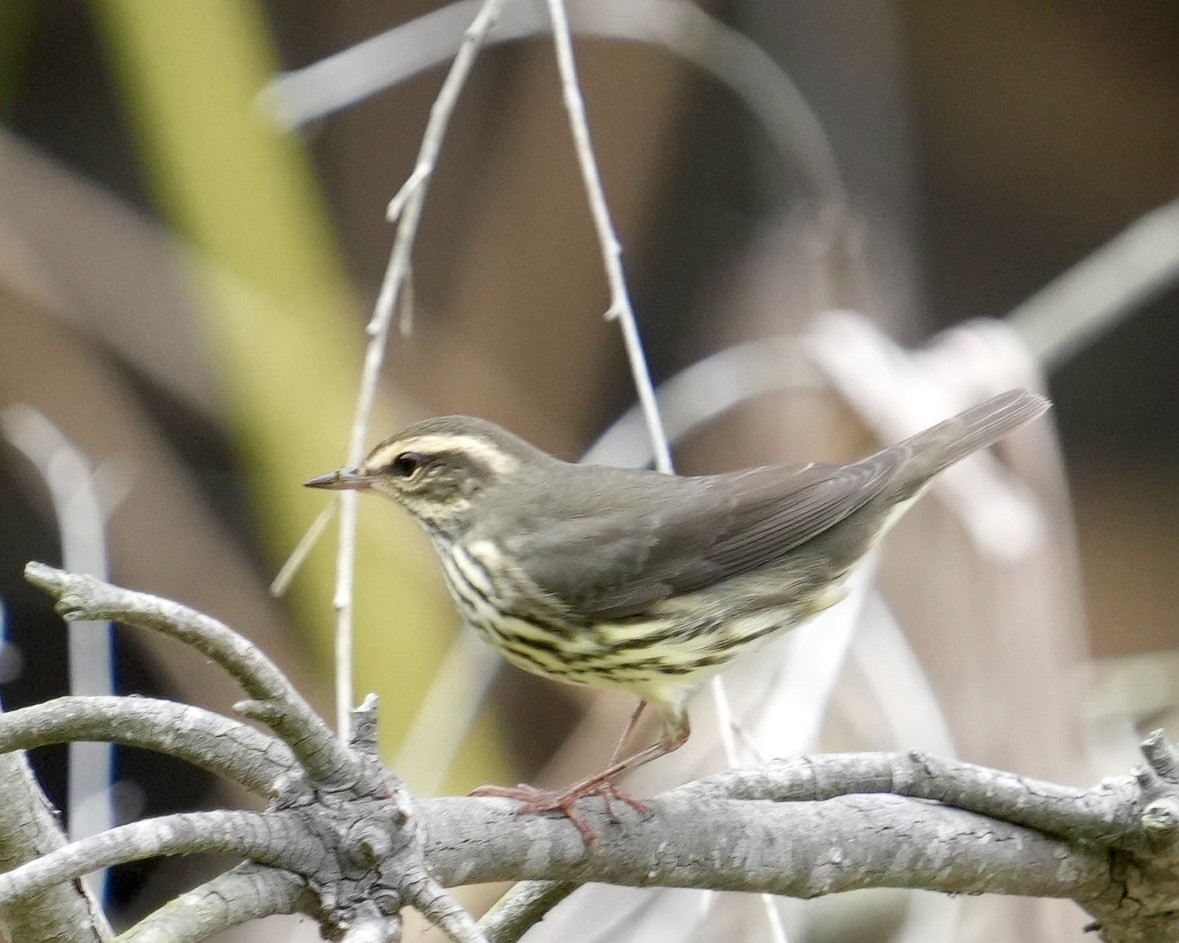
644	537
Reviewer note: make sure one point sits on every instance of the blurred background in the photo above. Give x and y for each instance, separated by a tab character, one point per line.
184	284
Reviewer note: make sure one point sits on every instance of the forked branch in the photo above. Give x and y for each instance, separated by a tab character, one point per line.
353	850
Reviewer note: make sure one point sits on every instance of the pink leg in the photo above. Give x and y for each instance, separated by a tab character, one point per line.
630	728
675	734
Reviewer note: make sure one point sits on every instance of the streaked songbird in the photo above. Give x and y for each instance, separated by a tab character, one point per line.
641	581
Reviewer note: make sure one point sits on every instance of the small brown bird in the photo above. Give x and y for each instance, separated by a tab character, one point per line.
632	579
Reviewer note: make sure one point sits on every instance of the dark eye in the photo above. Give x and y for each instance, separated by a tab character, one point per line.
406	464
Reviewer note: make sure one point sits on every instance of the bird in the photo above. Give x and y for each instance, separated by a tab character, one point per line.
637	580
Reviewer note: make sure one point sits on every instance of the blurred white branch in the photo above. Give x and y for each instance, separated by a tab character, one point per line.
708	388
1103	289
1058	322
676	26
81	519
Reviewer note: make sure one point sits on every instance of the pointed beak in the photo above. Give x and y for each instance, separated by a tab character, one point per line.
345	479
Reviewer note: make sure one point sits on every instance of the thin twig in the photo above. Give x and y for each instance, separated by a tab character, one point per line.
622	309
620	305
287	571
406	208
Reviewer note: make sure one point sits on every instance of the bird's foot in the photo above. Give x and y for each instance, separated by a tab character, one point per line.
533	800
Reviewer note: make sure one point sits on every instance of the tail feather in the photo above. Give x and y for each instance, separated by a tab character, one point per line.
940	446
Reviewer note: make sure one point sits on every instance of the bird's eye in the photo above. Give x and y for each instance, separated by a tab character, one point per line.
405	464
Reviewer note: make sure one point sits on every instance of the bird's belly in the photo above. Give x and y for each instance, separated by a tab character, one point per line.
693	636
676	642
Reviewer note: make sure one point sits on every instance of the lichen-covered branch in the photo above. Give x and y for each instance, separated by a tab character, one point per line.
218	744
522	907
799	849
1105	814
28	828
84	597
353	851
228	900
271	839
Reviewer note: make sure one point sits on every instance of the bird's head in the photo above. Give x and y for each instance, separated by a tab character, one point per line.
439	469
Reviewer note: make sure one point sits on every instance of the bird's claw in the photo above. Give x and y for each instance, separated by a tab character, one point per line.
533	800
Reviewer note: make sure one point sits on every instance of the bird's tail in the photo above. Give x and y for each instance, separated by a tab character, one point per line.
940	446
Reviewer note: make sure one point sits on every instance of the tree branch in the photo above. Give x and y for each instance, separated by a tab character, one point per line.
802	849
222	746
353	853
83	597
271	839
523	907
230	899
64	914
1108	814
406	209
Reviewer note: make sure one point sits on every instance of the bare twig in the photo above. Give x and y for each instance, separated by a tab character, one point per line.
620	305
406	207
246	834
622	309
282	579
528	903
81	520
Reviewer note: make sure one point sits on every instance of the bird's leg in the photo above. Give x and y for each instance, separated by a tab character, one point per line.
630	728
675	734
608	790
